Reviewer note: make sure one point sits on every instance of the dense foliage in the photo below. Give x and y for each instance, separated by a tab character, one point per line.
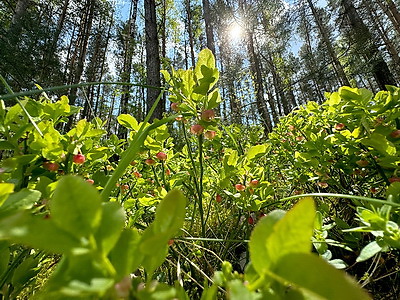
187	208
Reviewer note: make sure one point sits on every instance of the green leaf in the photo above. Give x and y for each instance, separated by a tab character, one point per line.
111	225
37	232
276	236
4	256
238	291
368	251
316	278
25	271
76	206
24	199
170	213
128	121
380	143
5	190
214	99
125	256
256	151
258	240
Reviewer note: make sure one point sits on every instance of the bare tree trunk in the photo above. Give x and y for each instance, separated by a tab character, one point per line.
258	84
190	30
21	8
209	29
380	69
390	9
152	59
331	51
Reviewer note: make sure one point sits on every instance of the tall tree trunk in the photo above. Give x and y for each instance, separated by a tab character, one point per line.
152	59
331	51
83	37
16	25
382	33
129	41
258	84
370	50
208	25
390	9
190	30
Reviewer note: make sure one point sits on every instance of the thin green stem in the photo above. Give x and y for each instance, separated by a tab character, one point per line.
14	95
359	198
66	87
201	211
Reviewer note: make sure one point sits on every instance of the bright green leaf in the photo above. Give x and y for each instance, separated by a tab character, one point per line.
317	278
76	206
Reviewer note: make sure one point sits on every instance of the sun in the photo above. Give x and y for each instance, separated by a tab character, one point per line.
235	32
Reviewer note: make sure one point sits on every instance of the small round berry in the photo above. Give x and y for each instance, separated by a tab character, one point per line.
150	162
210	134
79	158
175	106
51	166
137	174
240	187
250	220
395	134
161	155
208	115
340	126
196	129
254	183
218	198
91	181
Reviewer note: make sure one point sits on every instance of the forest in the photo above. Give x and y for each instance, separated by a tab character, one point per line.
213	149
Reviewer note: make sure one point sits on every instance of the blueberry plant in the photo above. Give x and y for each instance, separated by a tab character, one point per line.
189	208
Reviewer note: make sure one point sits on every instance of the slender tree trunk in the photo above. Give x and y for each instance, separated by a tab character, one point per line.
390	9
152	59
382	33
82	46
208	25
21	8
331	51
258	84
190	30
364	40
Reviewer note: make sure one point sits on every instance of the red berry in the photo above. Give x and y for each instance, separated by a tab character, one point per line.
149	162
218	198
262	215
394	179
210	134
124	188
170	242
161	156
167	172
395	134
240	187
137	174
79	158
291	128
197	129
51	166
175	106
91	181
253	183
133	163
373	190
207	115
250	220
340	126
299	138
